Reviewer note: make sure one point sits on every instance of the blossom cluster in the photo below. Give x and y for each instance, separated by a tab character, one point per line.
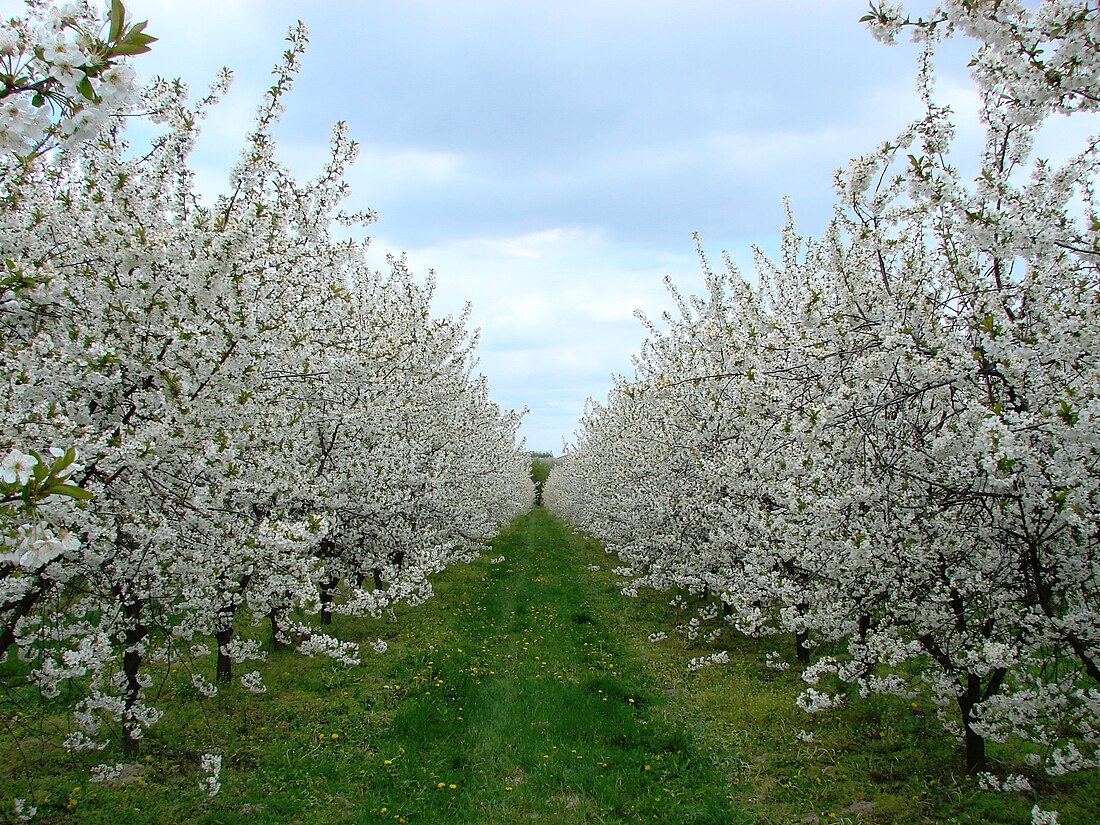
62	73
211	765
250	425
888	443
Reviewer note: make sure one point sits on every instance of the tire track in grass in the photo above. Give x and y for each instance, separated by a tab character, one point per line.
533	710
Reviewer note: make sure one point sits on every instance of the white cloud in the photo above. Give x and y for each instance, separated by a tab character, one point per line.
555	308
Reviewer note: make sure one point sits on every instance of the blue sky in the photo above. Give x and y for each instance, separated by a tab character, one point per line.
551	160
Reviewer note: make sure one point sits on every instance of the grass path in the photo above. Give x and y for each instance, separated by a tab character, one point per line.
526	691
536	710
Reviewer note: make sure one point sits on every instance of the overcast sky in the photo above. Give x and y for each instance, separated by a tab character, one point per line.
551	160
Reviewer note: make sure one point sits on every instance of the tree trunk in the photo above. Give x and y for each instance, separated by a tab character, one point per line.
328	590
224	672
801	652
864	626
972	740
224	634
276	642
975	751
131	666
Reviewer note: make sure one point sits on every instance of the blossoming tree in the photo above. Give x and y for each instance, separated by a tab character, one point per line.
898	424
200	375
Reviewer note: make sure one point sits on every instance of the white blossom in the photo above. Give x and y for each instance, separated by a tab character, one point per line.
17	467
23	811
253	682
700	662
211	765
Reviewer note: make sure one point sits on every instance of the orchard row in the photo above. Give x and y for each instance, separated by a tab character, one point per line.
888	445
213	415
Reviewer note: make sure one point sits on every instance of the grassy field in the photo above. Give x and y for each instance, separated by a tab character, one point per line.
527	691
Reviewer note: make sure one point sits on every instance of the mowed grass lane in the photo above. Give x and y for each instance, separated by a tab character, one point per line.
535	710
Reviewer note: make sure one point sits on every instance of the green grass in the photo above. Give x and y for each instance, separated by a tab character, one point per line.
527	691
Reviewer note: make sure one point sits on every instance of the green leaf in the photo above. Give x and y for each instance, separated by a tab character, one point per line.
118	20
86	90
1067	414
70	490
134	41
63	462
127	49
